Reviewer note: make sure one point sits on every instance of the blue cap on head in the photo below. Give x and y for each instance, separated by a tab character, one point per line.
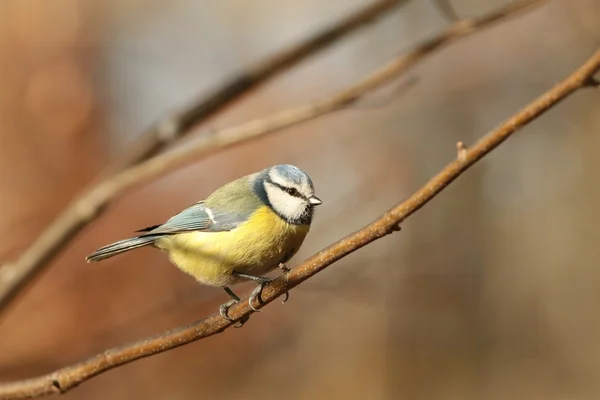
292	174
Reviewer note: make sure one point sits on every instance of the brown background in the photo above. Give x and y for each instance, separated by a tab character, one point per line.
489	292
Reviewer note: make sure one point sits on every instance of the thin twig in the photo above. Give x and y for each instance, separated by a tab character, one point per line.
15	275
89	205
66	378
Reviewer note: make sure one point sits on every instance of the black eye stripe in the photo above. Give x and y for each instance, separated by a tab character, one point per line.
291	191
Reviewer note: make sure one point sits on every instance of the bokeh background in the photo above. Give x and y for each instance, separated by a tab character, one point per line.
489	292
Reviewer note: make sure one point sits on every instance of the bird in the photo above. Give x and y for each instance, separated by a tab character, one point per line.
242	231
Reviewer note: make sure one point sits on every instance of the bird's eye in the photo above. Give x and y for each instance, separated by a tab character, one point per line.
291	191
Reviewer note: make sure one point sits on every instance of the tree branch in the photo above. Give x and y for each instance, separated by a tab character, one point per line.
179	124
14	276
66	378
89	206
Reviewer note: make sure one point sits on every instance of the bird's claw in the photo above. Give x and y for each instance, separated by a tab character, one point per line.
224	310
284	268
242	321
255	295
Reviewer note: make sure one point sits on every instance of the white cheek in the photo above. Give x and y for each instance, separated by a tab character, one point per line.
288	206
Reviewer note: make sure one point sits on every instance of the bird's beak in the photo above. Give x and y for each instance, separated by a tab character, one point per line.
314	200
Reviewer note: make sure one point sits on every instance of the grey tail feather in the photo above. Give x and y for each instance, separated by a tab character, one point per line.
120	247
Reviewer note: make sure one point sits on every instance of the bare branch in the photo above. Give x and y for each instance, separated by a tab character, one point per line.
373	102
66	378
15	275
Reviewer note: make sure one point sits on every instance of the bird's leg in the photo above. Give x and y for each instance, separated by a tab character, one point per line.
224	309
262	281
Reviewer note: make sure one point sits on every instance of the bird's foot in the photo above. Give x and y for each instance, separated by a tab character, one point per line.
284	268
256	293
242	321
224	309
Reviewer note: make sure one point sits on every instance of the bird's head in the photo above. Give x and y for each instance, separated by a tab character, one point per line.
289	192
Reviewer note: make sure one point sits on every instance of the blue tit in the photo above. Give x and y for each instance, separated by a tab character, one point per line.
240	232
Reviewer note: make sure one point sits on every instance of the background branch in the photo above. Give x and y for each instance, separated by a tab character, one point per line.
181	123
66	378
90	205
14	276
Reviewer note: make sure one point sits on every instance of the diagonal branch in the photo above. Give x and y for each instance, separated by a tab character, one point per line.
14	276
89	206
66	378
180	123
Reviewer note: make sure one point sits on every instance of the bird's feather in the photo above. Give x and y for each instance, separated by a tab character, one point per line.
258	246
120	247
194	218
198	217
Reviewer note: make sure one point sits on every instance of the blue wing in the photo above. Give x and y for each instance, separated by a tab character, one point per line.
196	218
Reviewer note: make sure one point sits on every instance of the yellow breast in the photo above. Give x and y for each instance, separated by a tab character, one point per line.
255	247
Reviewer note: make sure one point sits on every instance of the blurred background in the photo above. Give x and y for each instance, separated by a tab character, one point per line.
489	292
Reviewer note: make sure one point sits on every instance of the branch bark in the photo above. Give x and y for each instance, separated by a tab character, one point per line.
66	378
14	276
89	206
